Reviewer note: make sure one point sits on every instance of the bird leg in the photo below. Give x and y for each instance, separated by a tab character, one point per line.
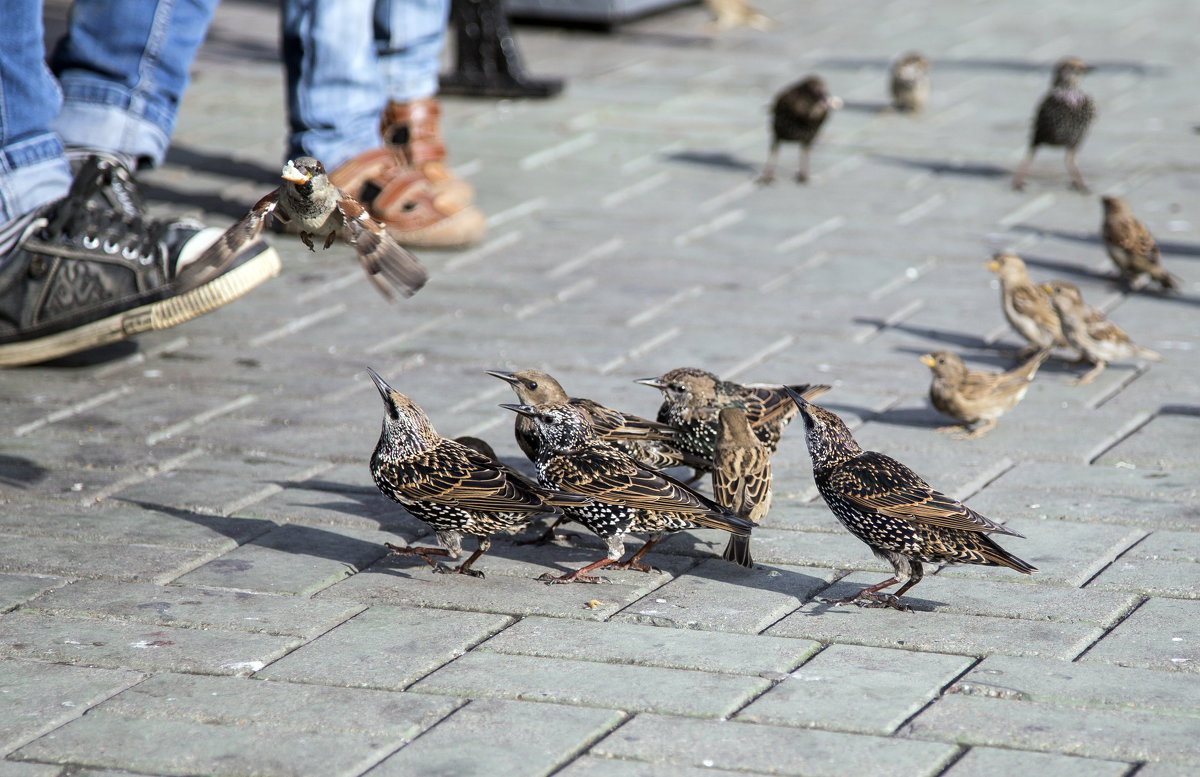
465	567
330	238
579	575
768	173
954	428
1019	179
425	553
879	600
1076	179
978	431
1090	375
632	563
306	239
802	173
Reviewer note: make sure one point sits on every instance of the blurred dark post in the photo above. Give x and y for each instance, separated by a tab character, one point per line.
487	63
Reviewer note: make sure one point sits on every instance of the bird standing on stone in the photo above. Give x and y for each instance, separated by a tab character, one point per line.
1131	246
1027	306
910	82
1098	339
972	396
624	496
693	398
451	487
904	520
736	13
318	209
797	116
741	477
1063	118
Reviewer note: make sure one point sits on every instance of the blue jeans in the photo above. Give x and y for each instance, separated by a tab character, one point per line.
113	83
345	59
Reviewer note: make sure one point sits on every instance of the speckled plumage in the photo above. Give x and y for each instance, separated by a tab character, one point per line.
910	82
797	116
741	477
1062	119
1131	246
972	396
625	497
453	488
1027	307
1098	339
898	515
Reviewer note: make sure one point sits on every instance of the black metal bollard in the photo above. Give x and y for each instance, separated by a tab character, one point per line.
487	63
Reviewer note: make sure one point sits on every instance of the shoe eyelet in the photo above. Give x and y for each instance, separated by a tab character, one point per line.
90	242
130	252
146	259
110	247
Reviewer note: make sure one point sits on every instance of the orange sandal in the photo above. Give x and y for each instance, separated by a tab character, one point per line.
412	133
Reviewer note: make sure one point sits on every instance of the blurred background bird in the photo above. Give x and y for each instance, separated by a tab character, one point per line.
1098	339
797	116
974	396
741	477
1027	307
1132	248
728	14
1063	118
910	82
904	520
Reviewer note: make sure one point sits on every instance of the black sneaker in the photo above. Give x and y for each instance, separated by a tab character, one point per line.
87	273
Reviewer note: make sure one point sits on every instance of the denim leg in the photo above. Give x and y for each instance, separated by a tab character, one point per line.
335	94
33	170
409	35
123	66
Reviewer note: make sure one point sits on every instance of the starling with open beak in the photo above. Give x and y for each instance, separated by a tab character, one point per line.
317	209
797	116
1063	118
1098	339
1131	246
973	396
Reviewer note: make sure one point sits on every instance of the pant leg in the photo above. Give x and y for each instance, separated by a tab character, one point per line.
123	66
409	36
335	93
33	170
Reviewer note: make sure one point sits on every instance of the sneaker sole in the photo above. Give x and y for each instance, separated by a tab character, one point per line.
156	315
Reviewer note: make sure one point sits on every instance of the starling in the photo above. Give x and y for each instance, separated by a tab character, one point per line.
799	112
888	506
318	209
741	477
624	496
1062	119
1131	246
1098	339
692	398
910	82
480	446
972	396
1027	306
450	486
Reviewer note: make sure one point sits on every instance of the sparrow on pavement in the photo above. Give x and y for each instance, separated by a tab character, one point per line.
1131	246
1027	306
972	396
1063	118
1098	339
910	82
741	477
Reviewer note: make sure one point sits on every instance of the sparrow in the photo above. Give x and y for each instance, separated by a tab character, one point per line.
1098	339
741	477
1131	246
972	396
903	519
1027	306
798	114
450	486
736	13
1063	118
910	82
318	209
622	496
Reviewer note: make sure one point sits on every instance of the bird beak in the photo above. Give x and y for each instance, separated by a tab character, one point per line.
834	103
1046	288
993	265
507	377
525	410
380	383
293	174
927	359
795	395
652	382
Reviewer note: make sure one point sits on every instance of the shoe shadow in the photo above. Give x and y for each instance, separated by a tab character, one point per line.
20	472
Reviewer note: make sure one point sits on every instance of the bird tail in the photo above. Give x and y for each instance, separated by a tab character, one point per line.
725	521
563	499
1165	279
998	556
810	391
1030	368
738	551
1146	353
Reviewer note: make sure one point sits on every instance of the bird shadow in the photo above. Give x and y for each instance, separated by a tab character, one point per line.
716	159
867	106
1060	268
946	167
1011	65
20	472
957	339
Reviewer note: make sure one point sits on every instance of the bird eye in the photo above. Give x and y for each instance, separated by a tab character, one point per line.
532	384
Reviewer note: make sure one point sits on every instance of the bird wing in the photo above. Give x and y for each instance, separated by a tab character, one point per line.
880	483
1100	329
611	423
1031	302
607	475
389	266
453	474
741	480
767	404
217	257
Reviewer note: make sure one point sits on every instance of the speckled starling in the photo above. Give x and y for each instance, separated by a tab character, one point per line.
625	497
972	396
692	398
1131	246
741	477
1063	118
902	518
1098	339
910	82
450	486
797	116
1027	306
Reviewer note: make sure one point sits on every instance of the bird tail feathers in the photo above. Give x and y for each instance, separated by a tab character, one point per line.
738	551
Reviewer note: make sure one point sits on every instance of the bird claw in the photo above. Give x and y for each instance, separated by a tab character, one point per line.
442	569
635	565
883	600
550	578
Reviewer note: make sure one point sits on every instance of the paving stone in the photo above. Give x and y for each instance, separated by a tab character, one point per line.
812	549
1161	634
621	643
764	748
386	647
858	689
1163	769
310	504
719	596
1167	546
1123	735
293	560
502	739
200	608
997	762
588	683
96	642
1018	597
1150	576
52	556
17	769
39	697
588	766
937	632
1167	442
1082	685
114	522
16	589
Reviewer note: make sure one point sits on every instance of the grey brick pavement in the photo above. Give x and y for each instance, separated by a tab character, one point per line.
192	577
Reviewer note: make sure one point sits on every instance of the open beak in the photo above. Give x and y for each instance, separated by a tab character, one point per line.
507	377
927	359
525	410
293	174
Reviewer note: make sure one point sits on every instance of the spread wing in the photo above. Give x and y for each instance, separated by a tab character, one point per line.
388	265
217	257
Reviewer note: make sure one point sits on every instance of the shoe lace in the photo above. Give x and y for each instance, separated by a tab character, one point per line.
132	237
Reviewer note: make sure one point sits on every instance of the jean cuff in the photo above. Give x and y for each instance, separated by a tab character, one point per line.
109	118
33	172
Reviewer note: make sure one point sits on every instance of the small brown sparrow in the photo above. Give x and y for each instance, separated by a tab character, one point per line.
972	396
1131	246
1098	339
